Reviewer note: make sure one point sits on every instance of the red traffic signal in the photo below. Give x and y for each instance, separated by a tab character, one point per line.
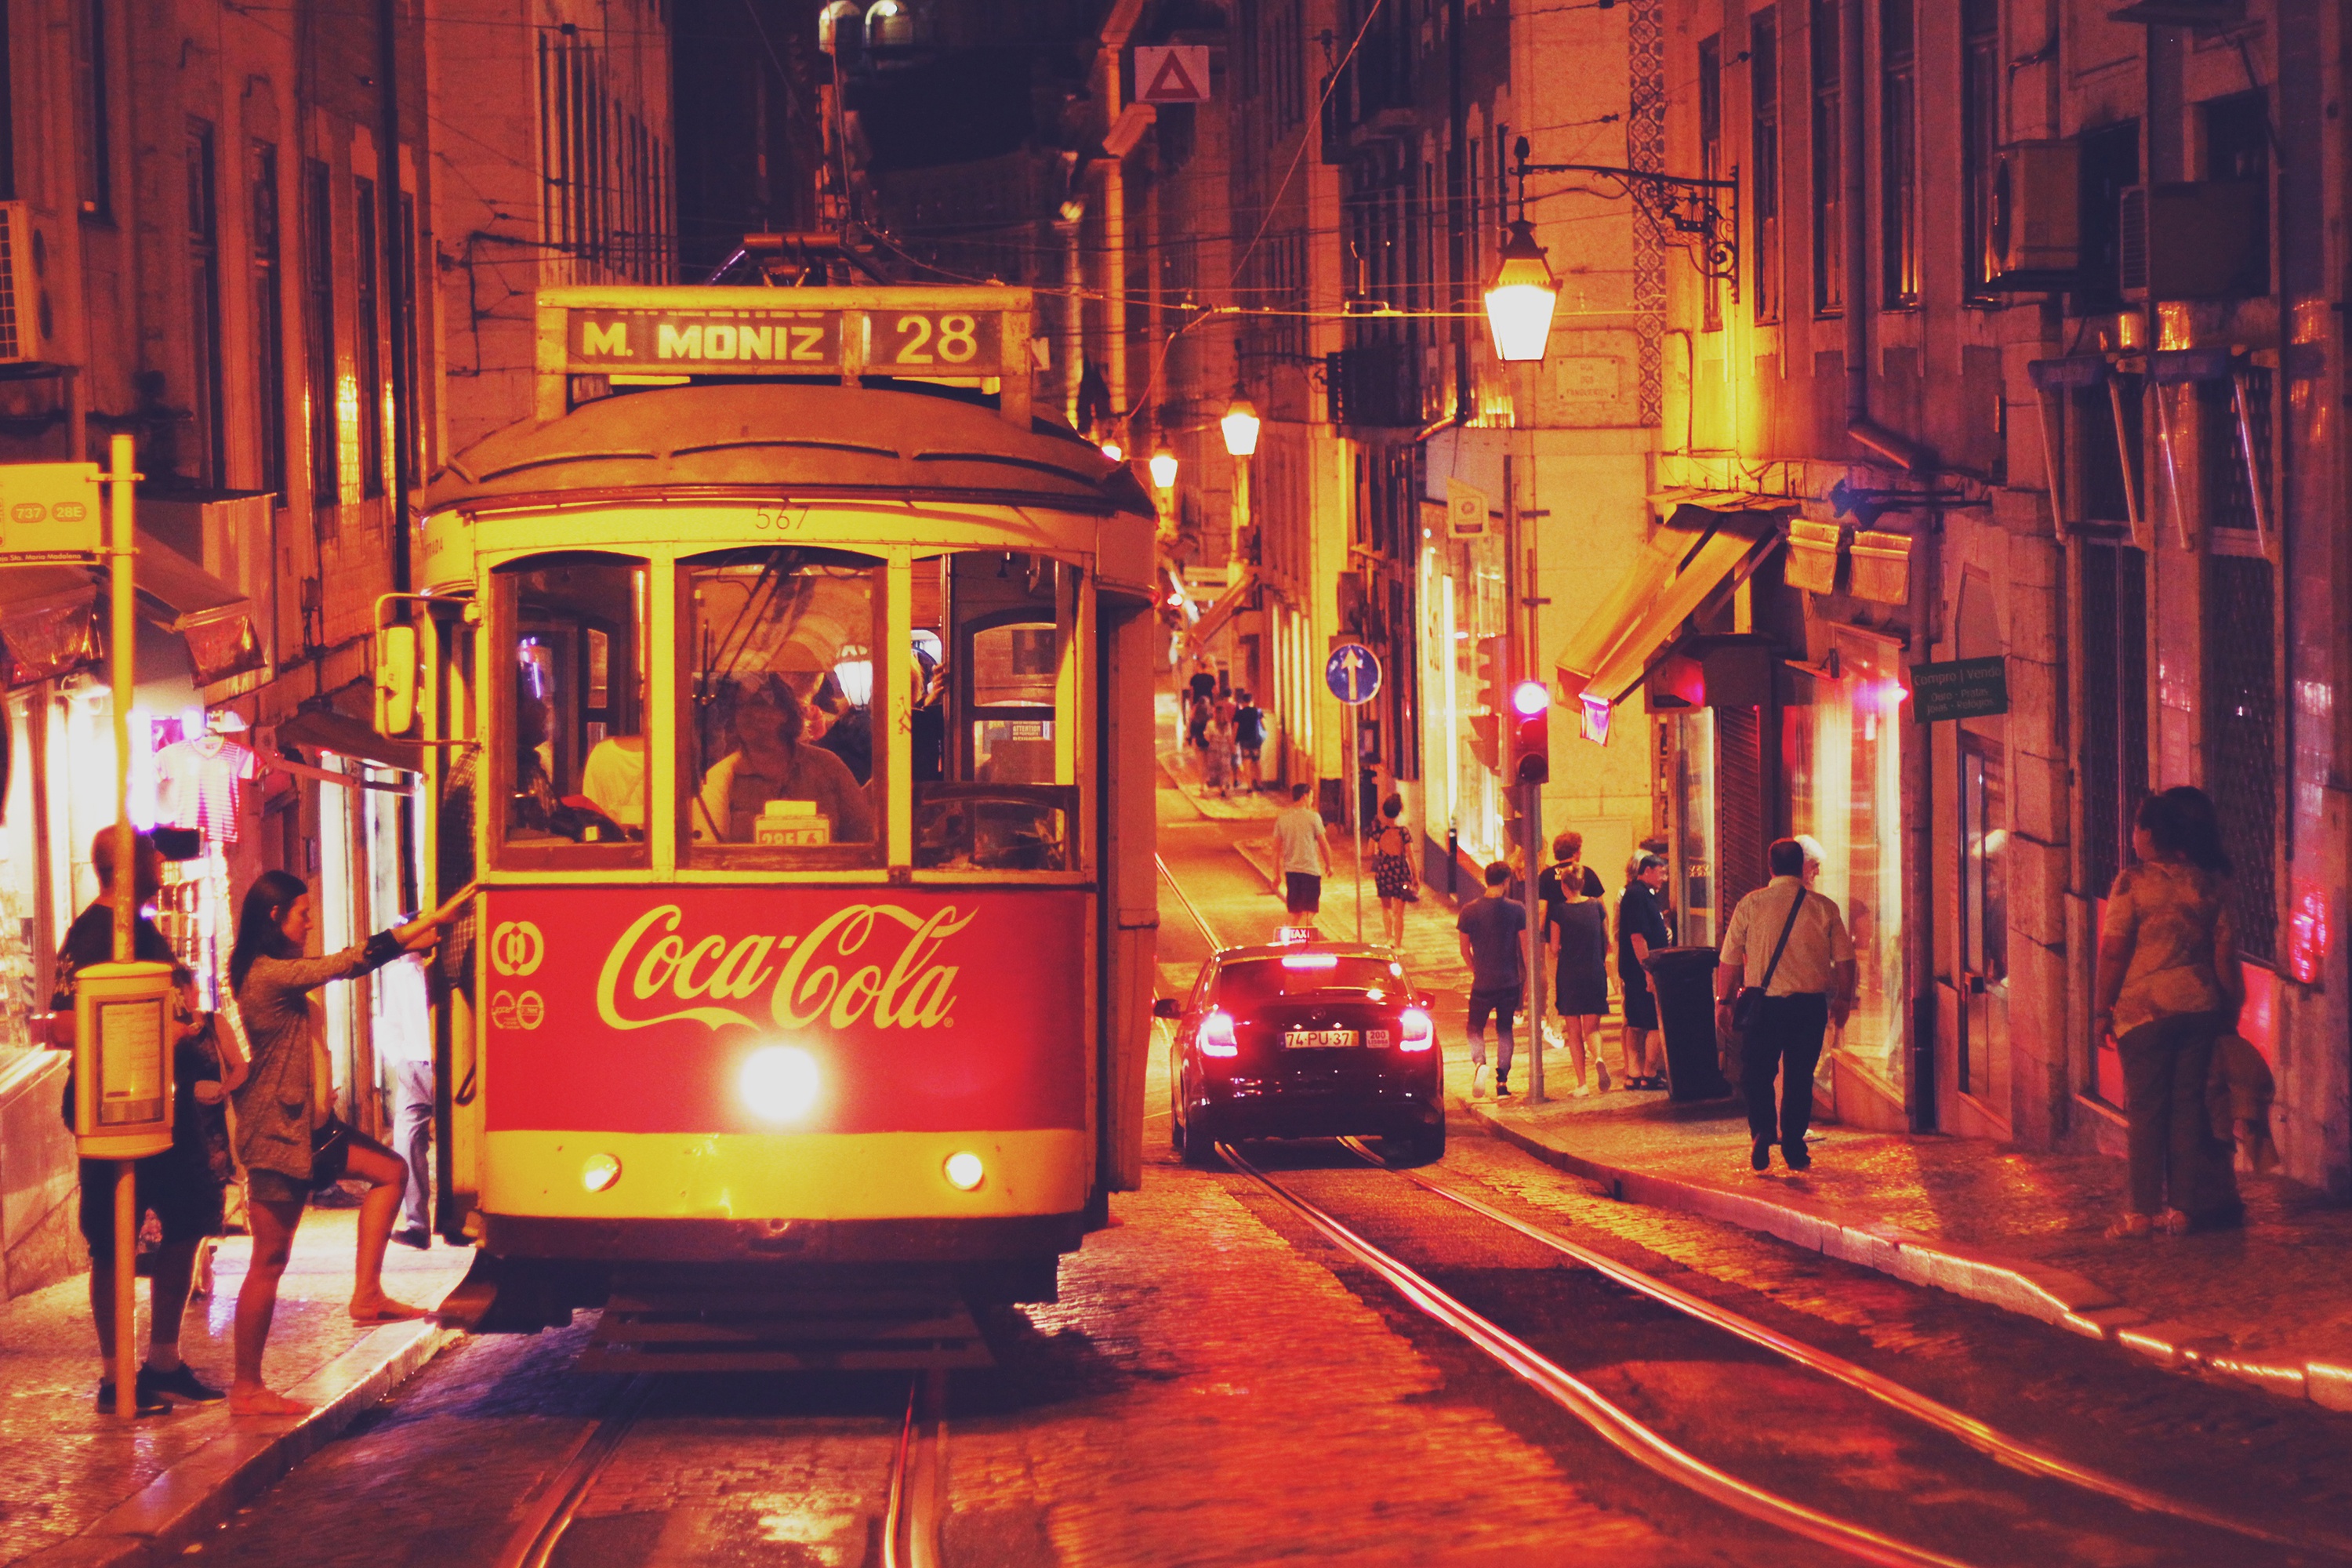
1494	673
1530	722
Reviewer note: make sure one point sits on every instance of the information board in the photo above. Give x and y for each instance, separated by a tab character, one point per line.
1961	688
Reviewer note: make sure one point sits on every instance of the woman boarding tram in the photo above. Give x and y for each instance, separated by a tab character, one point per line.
738	1021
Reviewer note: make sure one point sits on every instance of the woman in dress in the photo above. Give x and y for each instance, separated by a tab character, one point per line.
1576	925
288	1136
2168	986
1392	873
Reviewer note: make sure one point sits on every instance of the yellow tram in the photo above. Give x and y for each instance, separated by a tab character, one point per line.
788	692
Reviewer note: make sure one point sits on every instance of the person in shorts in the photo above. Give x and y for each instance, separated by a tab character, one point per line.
1493	935
1304	852
1641	931
1249	740
177	1186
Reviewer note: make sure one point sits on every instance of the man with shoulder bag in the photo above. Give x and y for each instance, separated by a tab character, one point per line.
1785	973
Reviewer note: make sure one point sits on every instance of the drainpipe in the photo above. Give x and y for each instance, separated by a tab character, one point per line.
1899	449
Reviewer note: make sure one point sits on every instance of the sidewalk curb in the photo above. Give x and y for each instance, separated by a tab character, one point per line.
2053	1296
178	1508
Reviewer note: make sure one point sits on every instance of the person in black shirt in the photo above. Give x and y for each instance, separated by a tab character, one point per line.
1641	931
176	1185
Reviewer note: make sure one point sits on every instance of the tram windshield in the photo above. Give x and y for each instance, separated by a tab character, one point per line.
779	660
573	777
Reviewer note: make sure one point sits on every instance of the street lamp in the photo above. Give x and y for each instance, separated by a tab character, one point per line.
1114	451
1164	470
1241	425
1520	300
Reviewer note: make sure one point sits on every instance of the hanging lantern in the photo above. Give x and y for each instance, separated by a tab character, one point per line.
1164	470
1520	301
1240	427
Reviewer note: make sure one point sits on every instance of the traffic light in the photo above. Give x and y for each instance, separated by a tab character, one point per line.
1530	721
1494	696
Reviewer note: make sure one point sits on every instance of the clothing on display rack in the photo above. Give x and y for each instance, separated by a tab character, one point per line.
200	783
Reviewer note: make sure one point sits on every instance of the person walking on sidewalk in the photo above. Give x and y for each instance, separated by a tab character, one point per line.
1303	850
1788	964
406	1046
1249	741
2168	985
288	1137
1641	931
1494	930
1392	872
177	1186
1576	929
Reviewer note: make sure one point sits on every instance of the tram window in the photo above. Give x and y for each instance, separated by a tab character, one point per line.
571	720
778	676
995	785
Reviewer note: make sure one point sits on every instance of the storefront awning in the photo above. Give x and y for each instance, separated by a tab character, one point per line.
49	622
328	730
1694	551
1228	605
214	619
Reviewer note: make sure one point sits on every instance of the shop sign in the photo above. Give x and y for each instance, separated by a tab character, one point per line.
1466	511
49	508
635	1010
1959	689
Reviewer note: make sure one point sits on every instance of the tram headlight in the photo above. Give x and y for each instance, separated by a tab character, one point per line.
599	1172
964	1171
779	1083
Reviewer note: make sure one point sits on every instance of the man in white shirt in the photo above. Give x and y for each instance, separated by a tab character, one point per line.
1303	853
1807	986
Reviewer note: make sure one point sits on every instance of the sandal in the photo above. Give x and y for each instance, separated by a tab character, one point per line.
263	1402
2131	1226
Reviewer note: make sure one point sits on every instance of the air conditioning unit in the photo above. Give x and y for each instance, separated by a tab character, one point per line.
2189	241
28	314
2033	232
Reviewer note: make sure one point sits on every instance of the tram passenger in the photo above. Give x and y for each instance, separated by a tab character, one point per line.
614	779
770	762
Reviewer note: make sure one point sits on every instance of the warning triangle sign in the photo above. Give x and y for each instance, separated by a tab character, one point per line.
1175	74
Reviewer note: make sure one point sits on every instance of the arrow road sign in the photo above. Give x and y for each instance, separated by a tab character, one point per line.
1353	673
1176	73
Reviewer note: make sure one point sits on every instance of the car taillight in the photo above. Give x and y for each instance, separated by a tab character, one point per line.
1416	1030
1217	1034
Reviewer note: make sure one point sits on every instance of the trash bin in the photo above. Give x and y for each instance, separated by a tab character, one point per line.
1683	980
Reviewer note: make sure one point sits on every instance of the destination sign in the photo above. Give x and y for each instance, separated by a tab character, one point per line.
768	339
775	341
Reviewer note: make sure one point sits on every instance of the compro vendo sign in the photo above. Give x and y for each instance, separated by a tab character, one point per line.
884	1010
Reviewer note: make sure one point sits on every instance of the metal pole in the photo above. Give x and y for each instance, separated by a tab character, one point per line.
1531	814
123	674
1356	805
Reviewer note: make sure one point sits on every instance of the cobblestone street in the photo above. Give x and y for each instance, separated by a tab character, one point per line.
1219	1384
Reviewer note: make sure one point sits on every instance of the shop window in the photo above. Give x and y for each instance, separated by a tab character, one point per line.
1983	956
567	741
1699	914
1841	756
777	667
2241	725
995	741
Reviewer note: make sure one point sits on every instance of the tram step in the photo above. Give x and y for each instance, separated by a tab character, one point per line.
783	1331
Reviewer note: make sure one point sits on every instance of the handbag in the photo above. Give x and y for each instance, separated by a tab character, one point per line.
1748	1003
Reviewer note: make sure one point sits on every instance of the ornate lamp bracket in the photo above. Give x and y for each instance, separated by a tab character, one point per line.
1701	216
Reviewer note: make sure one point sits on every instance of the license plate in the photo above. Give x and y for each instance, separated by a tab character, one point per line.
1317	1039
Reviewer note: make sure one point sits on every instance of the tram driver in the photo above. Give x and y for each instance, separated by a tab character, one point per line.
774	760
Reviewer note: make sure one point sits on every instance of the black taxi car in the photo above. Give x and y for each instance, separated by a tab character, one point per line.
1305	1039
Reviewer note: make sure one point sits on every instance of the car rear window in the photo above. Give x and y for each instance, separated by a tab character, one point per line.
1299	974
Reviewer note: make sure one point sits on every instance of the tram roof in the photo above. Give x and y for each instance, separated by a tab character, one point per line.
768	439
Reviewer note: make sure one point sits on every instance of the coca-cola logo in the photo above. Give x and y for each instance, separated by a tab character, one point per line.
841	974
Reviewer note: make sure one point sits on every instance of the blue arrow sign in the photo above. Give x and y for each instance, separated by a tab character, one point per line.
1353	673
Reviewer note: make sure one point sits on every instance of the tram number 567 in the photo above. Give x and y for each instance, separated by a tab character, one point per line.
950	339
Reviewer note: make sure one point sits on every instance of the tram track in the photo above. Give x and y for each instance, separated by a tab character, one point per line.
914	1502
1647	1444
